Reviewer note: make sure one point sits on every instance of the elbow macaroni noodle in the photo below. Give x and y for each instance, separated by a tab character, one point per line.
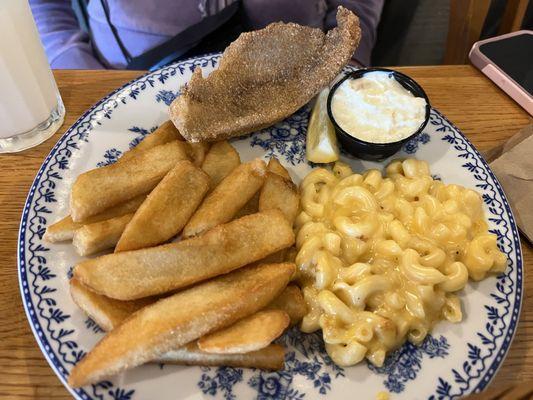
379	258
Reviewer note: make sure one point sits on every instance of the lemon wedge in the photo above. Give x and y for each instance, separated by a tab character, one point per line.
321	146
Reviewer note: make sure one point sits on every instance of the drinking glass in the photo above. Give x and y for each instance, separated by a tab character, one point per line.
31	109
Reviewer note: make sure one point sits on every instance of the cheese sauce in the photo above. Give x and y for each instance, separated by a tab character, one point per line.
376	108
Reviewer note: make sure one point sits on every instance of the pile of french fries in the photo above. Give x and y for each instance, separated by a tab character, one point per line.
220	295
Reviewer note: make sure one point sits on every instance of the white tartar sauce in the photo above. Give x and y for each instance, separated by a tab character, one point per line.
376	108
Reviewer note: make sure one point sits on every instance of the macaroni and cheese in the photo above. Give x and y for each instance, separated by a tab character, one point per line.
380	259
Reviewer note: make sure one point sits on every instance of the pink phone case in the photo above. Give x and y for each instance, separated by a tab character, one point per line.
498	76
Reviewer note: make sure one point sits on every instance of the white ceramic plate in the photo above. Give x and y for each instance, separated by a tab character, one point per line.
455	360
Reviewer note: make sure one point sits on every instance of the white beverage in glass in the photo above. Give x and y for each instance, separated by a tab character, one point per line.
31	109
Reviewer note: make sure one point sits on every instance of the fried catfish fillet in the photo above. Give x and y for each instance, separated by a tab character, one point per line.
179	319
263	77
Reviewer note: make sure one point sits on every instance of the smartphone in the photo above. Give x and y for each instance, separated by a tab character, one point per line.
508	61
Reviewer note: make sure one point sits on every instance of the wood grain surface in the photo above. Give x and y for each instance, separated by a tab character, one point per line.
483	112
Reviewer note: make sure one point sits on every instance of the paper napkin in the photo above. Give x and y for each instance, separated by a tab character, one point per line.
512	162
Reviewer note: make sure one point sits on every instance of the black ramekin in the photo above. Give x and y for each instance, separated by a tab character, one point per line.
376	151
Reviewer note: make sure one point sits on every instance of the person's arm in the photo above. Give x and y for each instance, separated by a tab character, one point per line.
66	45
369	12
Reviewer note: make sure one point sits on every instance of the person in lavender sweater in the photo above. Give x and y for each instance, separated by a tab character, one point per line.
145	34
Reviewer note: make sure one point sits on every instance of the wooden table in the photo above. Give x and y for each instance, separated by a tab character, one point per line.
484	113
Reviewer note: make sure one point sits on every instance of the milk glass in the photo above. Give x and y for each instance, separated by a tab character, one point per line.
31	109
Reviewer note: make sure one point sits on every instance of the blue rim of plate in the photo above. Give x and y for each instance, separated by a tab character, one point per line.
62	373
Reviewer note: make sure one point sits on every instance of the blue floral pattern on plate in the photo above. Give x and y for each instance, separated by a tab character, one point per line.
317	368
411	147
403	365
309	372
286	138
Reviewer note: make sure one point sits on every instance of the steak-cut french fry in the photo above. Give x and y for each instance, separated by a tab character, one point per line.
275	166
101	188
166	132
227	198
181	318
278	256
279	192
246	335
251	207
290	254
219	161
110	313
140	273
271	357
292	302
64	229
252	333
92	238
197	152
167	209
107	313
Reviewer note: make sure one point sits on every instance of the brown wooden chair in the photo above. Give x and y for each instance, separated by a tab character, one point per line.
466	22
